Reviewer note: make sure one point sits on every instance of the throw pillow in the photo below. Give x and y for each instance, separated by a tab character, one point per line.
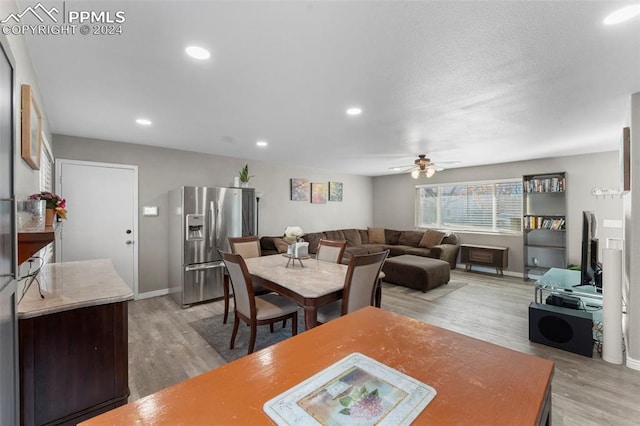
376	235
431	238
281	245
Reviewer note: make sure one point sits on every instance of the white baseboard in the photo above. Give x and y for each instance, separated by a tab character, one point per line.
633	363
154	293
476	268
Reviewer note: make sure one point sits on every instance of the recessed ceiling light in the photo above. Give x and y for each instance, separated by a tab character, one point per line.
143	122
354	111
198	52
262	143
622	15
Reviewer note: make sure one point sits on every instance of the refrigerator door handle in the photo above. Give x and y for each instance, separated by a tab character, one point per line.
213	224
192	268
219	244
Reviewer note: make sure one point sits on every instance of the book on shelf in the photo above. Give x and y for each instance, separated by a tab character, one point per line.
546	184
542	222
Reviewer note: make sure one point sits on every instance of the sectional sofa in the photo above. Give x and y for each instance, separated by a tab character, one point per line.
429	243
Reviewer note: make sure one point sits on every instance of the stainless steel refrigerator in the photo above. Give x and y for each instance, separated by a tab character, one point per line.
200	222
9	411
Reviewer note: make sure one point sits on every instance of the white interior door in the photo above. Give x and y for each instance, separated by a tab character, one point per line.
102	219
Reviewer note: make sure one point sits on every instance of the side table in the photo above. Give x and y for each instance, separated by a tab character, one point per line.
496	257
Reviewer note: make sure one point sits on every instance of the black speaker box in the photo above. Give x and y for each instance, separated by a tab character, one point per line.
561	328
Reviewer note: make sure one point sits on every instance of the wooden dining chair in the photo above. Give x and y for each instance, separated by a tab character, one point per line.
360	286
247	247
255	310
331	251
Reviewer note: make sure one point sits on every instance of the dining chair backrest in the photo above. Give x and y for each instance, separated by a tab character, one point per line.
247	247
361	281
330	251
242	284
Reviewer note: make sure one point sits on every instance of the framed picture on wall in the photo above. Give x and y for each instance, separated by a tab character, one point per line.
335	191
31	128
319	193
299	190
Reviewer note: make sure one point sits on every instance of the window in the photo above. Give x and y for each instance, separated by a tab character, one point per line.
490	206
46	166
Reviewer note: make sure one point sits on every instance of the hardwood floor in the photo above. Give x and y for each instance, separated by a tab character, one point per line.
164	349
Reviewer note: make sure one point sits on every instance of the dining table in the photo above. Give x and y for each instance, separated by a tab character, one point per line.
475	382
311	283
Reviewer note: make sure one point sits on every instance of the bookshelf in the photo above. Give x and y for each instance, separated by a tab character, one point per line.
544	223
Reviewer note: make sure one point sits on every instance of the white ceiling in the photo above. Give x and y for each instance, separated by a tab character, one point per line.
475	82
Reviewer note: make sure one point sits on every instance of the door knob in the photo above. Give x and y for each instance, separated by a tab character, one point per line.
128	242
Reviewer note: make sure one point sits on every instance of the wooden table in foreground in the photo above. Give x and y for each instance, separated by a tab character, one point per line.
315	284
476	382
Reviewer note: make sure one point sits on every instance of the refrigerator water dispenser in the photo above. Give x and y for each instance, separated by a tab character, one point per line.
195	225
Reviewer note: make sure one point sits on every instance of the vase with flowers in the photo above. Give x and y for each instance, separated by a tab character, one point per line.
291	235
56	205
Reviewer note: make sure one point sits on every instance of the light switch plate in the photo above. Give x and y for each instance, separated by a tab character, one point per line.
150	211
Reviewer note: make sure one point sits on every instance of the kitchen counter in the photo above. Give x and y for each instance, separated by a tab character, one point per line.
73	343
72	285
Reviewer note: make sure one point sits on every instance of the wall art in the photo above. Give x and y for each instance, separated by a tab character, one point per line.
335	191
299	190
318	193
31	128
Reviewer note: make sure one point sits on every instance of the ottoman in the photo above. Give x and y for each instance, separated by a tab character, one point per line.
417	272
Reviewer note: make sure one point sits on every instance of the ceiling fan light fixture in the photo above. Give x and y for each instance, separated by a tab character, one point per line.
415	174
430	172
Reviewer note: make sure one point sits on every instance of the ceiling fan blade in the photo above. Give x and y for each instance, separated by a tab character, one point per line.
403	167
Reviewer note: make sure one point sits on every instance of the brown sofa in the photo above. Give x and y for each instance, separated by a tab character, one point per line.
397	242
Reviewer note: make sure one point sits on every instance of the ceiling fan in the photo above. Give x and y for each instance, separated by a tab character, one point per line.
423	166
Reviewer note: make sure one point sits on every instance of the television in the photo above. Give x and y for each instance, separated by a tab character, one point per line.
589	268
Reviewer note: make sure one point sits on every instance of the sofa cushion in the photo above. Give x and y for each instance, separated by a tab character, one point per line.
391	236
313	239
410	238
376	235
397	250
352	236
431	238
419	251
372	248
281	245
266	243
364	236
334	235
451	238
355	250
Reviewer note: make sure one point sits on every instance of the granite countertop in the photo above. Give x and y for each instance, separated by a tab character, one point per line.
315	279
73	285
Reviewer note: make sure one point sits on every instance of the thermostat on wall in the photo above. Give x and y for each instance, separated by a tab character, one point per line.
150	211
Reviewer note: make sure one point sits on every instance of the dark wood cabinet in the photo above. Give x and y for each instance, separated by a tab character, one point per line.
73	364
495	257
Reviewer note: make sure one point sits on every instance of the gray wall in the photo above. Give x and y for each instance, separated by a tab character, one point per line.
27	180
631	289
394	205
161	169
